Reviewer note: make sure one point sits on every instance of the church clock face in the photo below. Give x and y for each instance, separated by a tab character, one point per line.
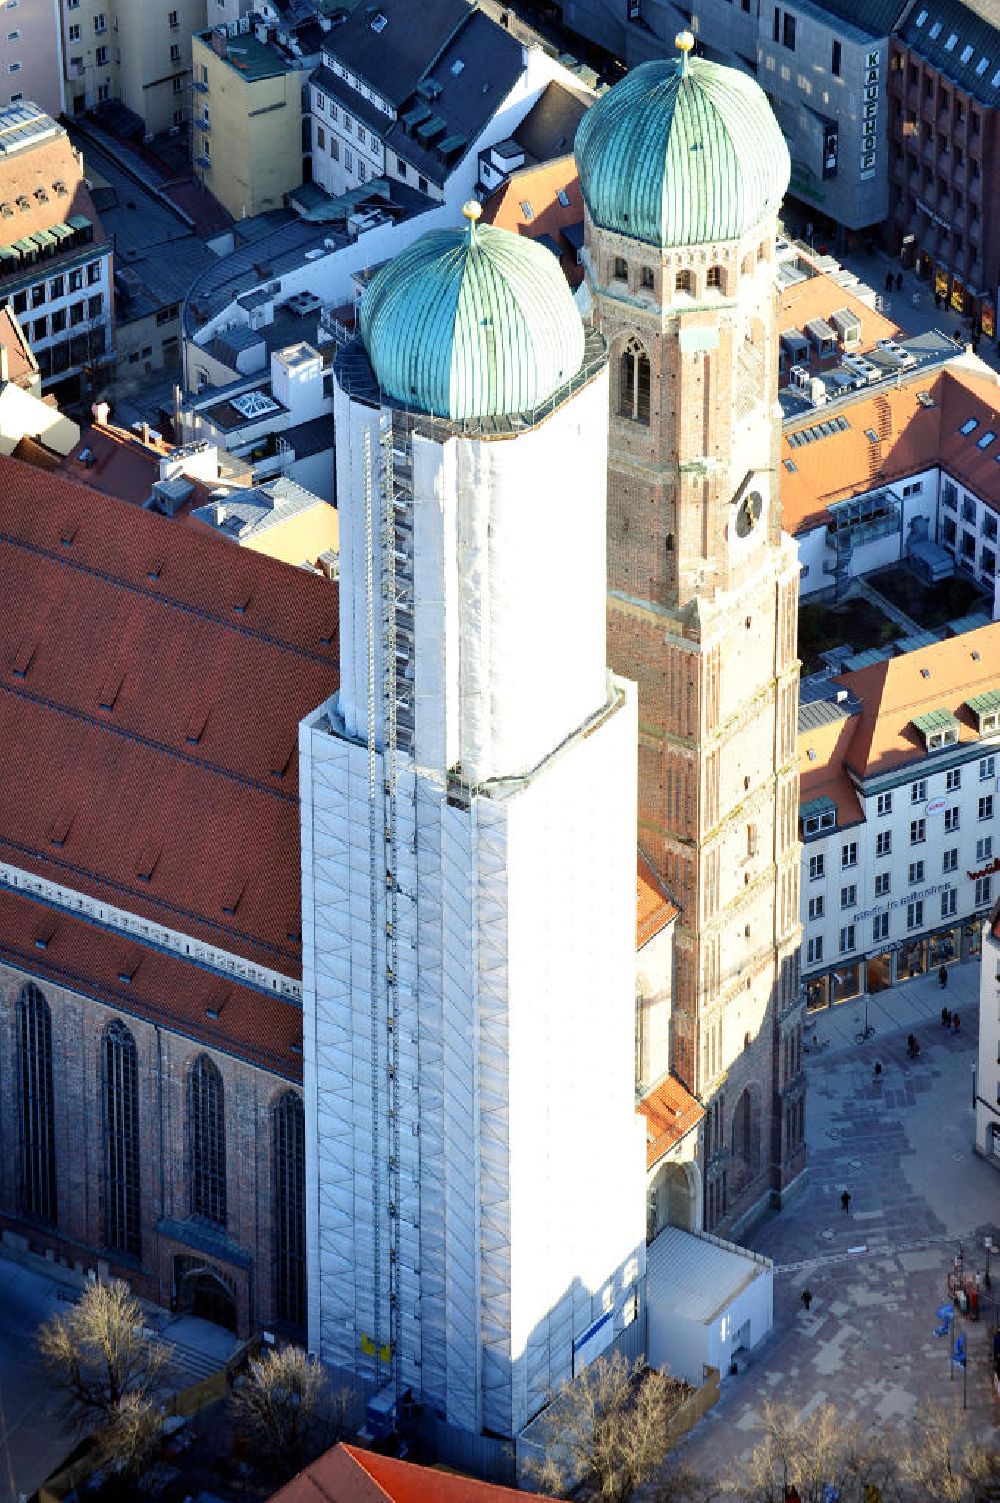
748	513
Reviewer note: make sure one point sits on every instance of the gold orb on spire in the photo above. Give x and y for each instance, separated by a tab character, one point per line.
472	210
684	41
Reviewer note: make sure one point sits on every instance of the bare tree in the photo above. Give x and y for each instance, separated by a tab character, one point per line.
284	1400
608	1427
131	1434
816	1457
941	1466
99	1353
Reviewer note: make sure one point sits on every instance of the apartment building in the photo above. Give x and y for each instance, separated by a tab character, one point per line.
55	259
416	105
31	56
131	52
899	810
824	68
247	121
945	131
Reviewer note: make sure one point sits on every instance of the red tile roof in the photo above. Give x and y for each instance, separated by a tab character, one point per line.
152	681
22	367
539	188
819	297
917	435
670	1112
654	910
348	1474
27	174
942	676
165	989
822	750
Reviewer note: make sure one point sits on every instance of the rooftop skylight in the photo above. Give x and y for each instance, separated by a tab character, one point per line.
968	426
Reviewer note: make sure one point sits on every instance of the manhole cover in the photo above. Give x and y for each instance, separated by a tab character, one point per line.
828	1234
958	1157
855	1163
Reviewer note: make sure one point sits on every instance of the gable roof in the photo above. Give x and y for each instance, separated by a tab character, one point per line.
528	204
28	181
942	676
670	1112
348	1474
654	909
152	678
822	749
965	35
917	424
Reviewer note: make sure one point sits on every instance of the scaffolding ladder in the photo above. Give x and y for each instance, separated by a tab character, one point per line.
396	539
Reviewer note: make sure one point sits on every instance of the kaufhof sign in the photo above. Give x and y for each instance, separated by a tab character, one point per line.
893	903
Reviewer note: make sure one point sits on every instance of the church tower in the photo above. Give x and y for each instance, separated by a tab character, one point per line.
475	1165
683	169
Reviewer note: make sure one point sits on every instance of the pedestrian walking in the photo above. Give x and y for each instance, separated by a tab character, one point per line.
845	1201
878	1069
942	976
945	1017
937	299
955	1024
888	281
807	1299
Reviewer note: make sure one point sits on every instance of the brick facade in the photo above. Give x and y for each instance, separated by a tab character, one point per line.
242	1256
702	613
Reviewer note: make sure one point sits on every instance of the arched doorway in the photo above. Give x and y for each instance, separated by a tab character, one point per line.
745	1162
673	1200
203	1292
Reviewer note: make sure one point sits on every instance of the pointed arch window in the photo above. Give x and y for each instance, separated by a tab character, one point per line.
289	1168
37	1148
715	277
208	1142
633	383
121	1141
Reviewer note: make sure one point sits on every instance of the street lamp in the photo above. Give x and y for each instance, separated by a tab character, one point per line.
988	1245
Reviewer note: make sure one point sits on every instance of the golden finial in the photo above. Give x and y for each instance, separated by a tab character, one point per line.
473	213
684	42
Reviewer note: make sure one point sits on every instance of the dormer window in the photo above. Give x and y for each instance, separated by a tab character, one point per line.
939	729
986	709
818	816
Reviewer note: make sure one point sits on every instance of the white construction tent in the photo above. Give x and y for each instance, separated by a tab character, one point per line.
706	1302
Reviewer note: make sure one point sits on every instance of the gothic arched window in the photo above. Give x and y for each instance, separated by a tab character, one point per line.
121	1141
715	277
35	1107
633	383
289	1149
208	1142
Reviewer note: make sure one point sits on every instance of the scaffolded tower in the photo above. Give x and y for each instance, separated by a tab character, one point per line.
475	1178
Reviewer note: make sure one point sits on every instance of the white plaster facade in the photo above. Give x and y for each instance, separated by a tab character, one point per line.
988	1069
475	1170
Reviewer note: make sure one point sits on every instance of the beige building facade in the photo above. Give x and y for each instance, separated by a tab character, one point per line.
31	56
702	613
247	122
133	52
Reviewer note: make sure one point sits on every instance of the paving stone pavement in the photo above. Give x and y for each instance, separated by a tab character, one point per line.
902	1144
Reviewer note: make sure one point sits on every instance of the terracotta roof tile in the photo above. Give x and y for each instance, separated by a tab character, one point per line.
822	750
22	367
348	1474
25	173
539	187
151	682
919	436
166	989
654	910
942	676
670	1112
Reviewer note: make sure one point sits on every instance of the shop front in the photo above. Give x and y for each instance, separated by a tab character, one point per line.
904	961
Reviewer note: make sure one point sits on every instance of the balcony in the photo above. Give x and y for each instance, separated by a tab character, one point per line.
203	122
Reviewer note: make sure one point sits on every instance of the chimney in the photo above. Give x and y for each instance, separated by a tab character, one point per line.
146	432
4	364
100	412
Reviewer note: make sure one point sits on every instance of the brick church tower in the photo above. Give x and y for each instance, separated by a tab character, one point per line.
683	169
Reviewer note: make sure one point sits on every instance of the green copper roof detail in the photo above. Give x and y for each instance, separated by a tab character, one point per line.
682	152
472	323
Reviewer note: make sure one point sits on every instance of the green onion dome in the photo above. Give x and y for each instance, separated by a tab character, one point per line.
681	152
472	323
